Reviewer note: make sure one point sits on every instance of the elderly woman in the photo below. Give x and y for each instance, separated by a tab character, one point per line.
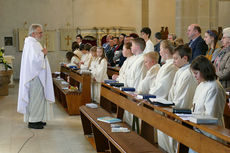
222	61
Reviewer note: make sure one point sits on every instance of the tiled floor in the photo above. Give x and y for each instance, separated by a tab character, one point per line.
61	135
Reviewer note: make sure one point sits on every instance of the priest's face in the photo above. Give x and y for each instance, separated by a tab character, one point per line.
38	34
178	61
198	76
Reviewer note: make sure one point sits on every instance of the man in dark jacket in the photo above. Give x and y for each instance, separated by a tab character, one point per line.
198	45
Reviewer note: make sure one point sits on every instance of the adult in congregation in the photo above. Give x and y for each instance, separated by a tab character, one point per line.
36	86
222	61
197	43
172	37
145	34
211	39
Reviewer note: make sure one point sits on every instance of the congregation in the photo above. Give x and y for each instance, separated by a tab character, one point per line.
192	75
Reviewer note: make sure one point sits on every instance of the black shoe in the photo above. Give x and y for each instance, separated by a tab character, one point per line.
42	123
35	125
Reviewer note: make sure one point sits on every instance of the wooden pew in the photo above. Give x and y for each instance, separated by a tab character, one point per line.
112	70
165	121
107	141
72	100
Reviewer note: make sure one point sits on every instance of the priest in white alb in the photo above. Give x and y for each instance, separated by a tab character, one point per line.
36	93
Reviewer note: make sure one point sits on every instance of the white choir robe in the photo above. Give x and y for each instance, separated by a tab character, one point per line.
74	61
34	65
100	74
149	47
150	77
125	67
136	73
209	99
183	88
181	93
164	80
86	59
92	68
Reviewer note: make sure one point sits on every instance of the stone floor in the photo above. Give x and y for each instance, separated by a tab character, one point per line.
61	135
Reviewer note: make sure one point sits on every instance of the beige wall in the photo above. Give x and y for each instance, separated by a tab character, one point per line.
224	11
57	13
162	13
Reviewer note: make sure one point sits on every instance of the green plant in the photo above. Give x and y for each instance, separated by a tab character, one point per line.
3	61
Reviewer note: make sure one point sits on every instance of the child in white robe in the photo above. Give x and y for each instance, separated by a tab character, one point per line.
182	90
150	61
127	63
92	68
163	82
161	86
86	57
99	74
137	71
210	96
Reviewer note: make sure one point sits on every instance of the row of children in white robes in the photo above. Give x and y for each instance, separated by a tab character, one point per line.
180	89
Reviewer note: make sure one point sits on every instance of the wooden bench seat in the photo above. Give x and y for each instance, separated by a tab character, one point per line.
72	100
107	140
67	97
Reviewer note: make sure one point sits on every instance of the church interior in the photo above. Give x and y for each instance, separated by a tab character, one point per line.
93	19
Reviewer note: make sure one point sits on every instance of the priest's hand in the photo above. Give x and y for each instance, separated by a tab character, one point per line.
44	50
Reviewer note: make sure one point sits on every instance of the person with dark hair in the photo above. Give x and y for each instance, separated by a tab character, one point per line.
86	56
145	34
210	97
158	41
182	90
211	39
157	46
122	58
197	44
99	74
222	62
126	66
133	36
79	39
75	46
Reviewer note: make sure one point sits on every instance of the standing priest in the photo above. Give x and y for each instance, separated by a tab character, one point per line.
36	87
